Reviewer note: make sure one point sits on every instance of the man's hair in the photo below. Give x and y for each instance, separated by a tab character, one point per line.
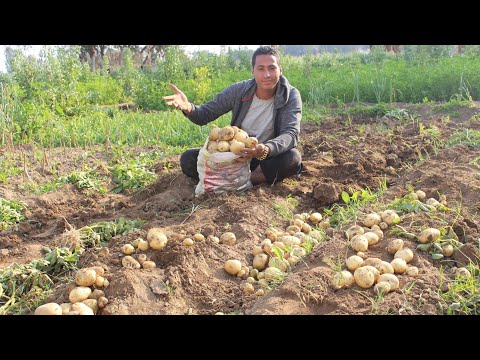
265	50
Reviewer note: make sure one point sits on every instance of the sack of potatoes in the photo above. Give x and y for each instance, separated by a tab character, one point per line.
230	138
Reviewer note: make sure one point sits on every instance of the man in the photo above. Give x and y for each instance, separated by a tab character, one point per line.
266	107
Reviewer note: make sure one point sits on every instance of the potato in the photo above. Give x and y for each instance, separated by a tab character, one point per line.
187	242
156	239
412	271
142	258
102	302
233	266
251	142
215	133
359	243
260	292
354	262
399	265
135	242
223	146
420	194
279	245
236	146
354	230
96	294
382	287
374	271
128	249
228	238
92	304
391	279
247	288
364	277
130	263
143	245
99	270
315	217
372	219
66	307
292	229
257	250
281	264
429	235
384	268
80	308
383	225
394	246
432	202
149	265
254	273
300	252
227	133
271	233
371	237
260	261
198	237
273	274
342	279
213	239
85	277
78	294
447	250
463	272
49	309
306	228
99	281
405	254
241	136
362	255
378	232
292	260
390	217
212	146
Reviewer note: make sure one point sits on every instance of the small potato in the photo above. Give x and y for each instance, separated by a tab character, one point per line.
374	271
143	245
96	294
385	268
399	265
372	262
128	249
212	146
99	270
251	142
236	146
80	308
447	250
260	261
383	225
49	309
233	266
260	292
129	263
247	288
187	242
378	232
306	228
223	146
420	194
142	258
412	271
463	272
149	265
198	237
315	217
382	287
241	273
390	217
99	281
102	302
215	133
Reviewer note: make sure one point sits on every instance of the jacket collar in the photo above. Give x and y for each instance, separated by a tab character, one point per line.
281	94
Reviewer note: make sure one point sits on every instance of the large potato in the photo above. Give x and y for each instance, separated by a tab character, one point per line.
391	279
228	238
359	243
371	237
399	265
354	230
232	266
372	219
49	309
429	235
390	217
394	246
354	262
260	261
156	239
78	294
86	277
364	277
405	254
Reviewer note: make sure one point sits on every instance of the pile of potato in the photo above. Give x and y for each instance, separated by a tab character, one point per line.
274	256
230	138
85	299
431	203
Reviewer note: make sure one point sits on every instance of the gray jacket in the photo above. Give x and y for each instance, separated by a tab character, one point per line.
287	111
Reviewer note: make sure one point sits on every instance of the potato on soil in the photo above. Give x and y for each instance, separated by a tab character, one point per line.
354	262
372	219
85	277
405	254
391	279
128	249
156	239
228	238
382	287
429	235
389	217
412	271
359	243
394	246
354	230
399	265
364	277
130	263
49	309
260	261
78	294
233	266
342	279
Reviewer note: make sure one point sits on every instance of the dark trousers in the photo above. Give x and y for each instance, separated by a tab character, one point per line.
275	169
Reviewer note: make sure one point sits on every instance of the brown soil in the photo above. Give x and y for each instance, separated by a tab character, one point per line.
191	280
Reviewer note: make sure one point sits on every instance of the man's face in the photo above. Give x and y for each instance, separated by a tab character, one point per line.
266	71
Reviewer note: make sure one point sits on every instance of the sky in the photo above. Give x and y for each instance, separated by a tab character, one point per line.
35	49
